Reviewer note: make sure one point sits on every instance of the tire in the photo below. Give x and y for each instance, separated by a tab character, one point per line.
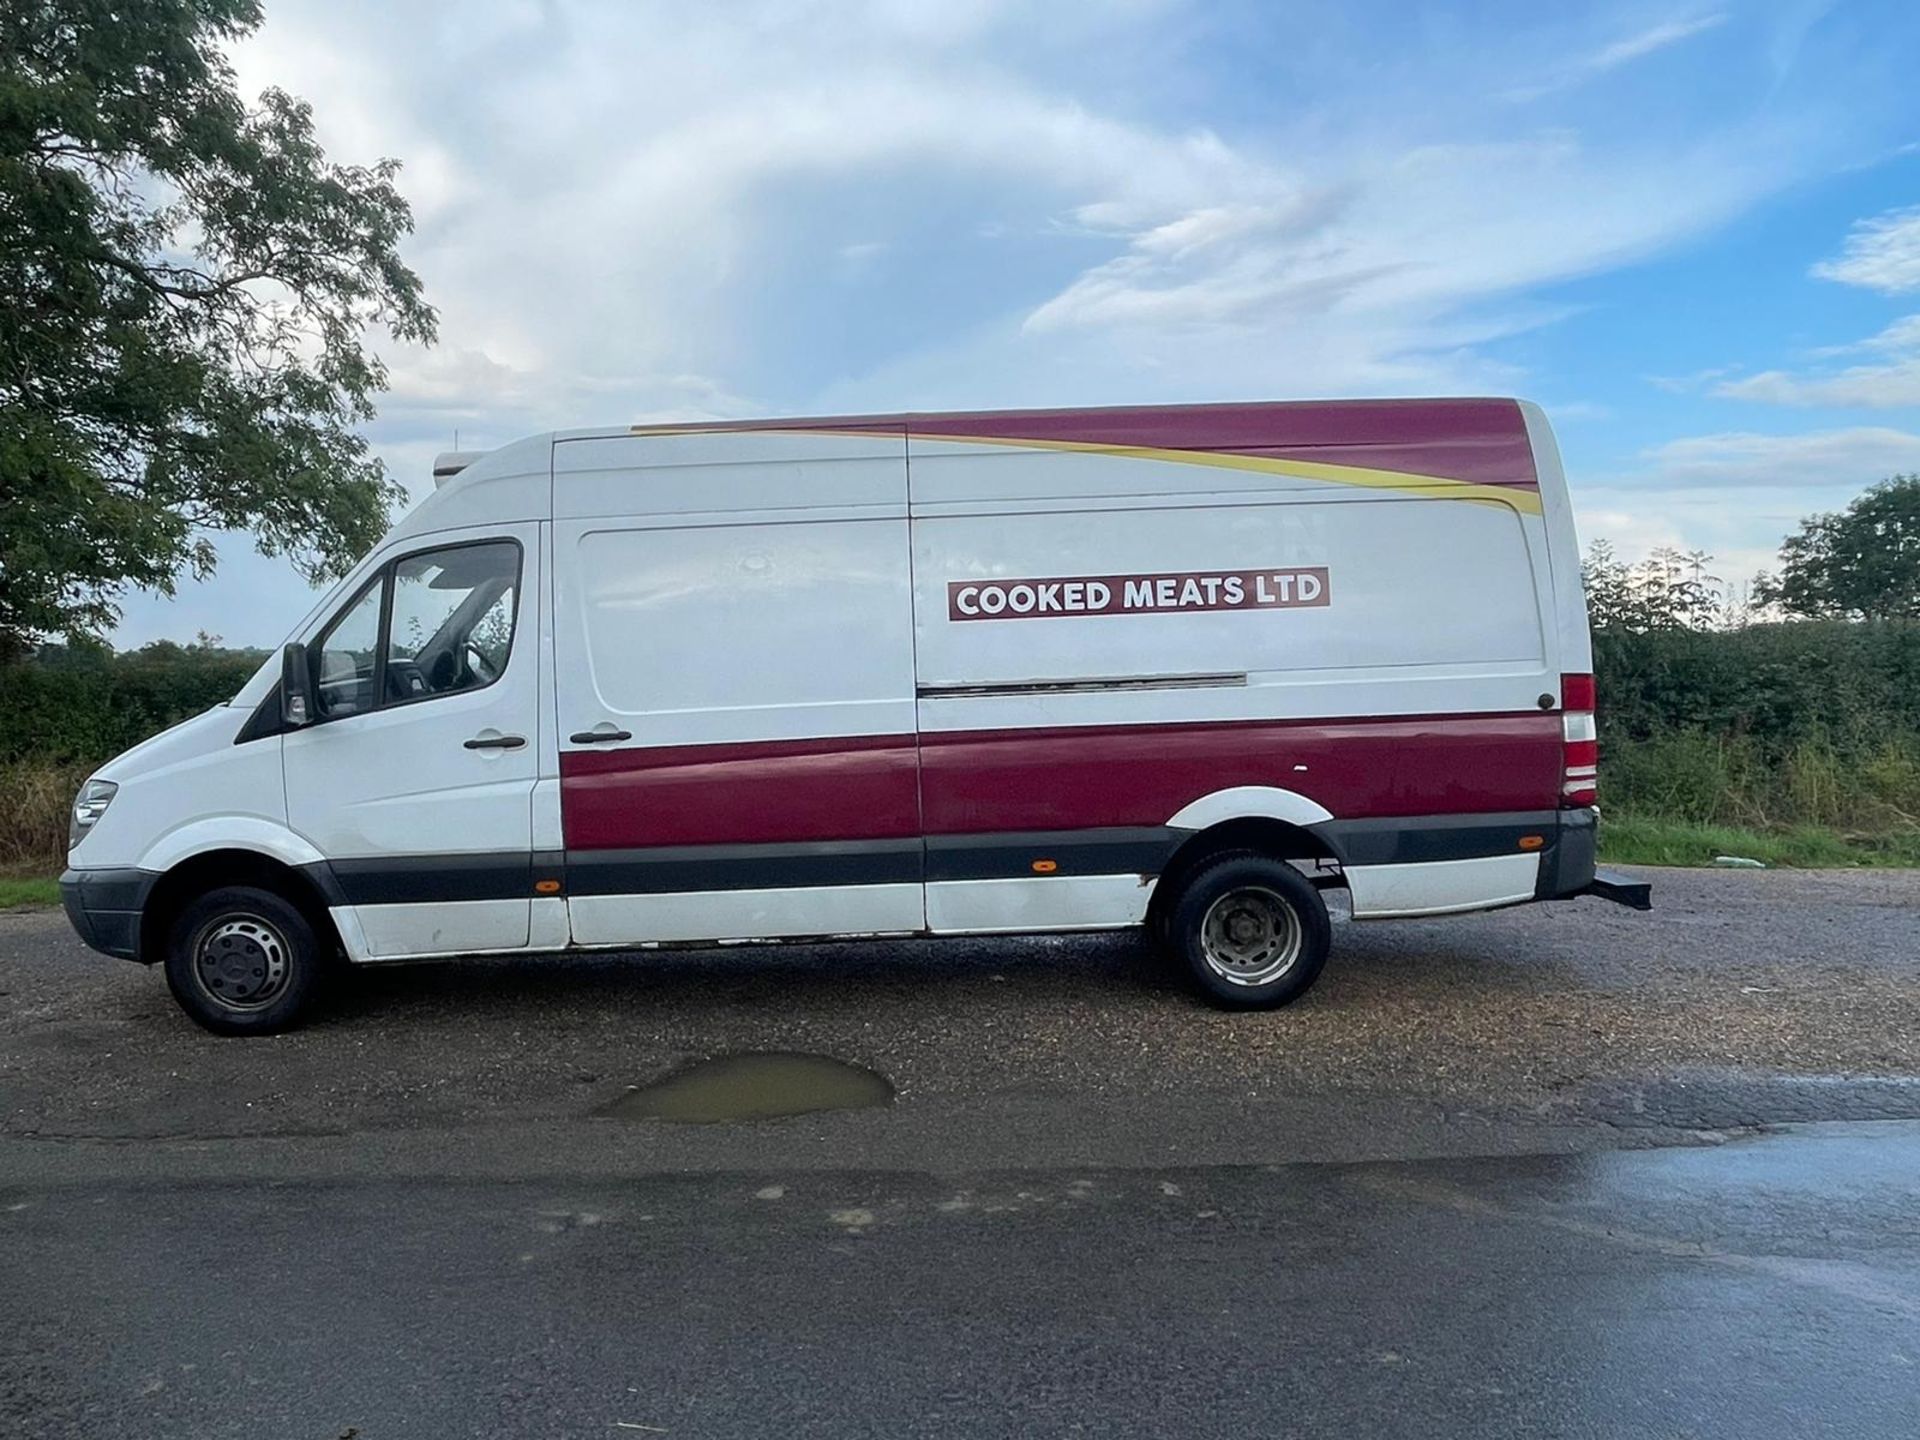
244	961
1253	932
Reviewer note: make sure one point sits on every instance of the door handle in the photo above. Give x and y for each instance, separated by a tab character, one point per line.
599	737
496	742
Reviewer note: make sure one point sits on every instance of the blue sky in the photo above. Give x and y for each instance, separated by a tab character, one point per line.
1690	230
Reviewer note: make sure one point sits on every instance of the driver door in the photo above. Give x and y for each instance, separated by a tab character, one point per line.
416	778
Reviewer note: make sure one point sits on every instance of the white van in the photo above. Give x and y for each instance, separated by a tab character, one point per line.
1179	667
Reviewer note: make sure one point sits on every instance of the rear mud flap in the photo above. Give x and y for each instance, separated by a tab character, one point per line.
1634	894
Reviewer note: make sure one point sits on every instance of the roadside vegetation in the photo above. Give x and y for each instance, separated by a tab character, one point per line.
1631	840
1781	725
66	709
28	891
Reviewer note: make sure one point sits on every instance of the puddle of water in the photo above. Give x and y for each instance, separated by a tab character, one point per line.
763	1086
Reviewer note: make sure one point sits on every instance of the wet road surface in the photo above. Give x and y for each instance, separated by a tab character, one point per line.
1769	1287
1559	1171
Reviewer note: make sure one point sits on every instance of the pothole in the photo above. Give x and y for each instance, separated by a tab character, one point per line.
756	1086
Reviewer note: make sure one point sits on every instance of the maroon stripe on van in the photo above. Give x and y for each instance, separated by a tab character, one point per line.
1482	441
1071	778
1075	778
861	787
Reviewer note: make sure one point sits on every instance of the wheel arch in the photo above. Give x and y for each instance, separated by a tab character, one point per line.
1253	834
207	870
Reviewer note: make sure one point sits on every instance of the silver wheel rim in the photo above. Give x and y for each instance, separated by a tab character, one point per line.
242	962
1251	936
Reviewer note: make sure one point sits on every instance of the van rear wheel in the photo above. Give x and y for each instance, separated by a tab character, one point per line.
1253	932
243	961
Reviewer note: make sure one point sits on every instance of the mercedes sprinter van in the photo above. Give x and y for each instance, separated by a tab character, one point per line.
1184	668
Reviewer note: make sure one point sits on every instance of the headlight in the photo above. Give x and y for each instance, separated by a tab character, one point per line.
89	806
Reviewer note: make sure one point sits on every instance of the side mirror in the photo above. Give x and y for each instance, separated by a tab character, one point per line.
296	687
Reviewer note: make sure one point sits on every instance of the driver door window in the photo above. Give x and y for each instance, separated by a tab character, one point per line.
347	657
451	623
432	624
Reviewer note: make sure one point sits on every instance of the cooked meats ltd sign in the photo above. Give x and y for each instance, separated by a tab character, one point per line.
1058	596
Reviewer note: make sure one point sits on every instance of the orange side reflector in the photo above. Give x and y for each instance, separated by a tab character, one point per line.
1045	867
1532	842
546	887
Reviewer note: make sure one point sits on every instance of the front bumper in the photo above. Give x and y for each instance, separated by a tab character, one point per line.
104	907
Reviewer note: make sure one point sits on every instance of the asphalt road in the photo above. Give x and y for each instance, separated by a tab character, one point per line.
1559	1171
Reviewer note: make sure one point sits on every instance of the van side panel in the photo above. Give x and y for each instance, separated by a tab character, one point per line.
1114	623
997	655
735	686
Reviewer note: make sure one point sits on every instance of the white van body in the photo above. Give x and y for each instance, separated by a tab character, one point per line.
903	675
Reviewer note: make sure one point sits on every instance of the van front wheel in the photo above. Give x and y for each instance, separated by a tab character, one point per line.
242	961
1253	931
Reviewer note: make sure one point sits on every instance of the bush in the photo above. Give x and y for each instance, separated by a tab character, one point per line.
1804	724
36	798
84	706
1853	686
1736	780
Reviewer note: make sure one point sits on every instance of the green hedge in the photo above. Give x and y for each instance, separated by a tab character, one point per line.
1853	687
1814	723
80	707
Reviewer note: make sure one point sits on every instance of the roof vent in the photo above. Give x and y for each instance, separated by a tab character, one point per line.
449	463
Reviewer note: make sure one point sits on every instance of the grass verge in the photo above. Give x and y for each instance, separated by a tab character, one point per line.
1639	840
20	891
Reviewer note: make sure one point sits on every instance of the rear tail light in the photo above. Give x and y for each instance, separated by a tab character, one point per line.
1580	749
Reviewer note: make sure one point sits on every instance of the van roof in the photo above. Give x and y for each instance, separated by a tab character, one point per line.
1482	440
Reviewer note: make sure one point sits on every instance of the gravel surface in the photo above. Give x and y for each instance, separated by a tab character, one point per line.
1581	1013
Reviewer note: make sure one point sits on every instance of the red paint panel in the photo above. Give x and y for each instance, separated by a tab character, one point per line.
1080	778
854	788
1482	441
973	782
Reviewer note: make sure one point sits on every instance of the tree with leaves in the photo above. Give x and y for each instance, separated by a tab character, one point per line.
1669	590
1861	564
186	287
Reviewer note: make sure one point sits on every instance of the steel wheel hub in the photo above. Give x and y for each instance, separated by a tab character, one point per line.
1250	936
242	962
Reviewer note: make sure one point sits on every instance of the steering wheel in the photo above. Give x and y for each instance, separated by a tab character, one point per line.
478	665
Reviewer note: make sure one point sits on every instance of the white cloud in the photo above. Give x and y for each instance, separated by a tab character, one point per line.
1900	338
1860	386
1735	495
1892	383
1401	248
1688	384
1881	254
604	194
1616	53
1741	547
1852	458
1654	37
